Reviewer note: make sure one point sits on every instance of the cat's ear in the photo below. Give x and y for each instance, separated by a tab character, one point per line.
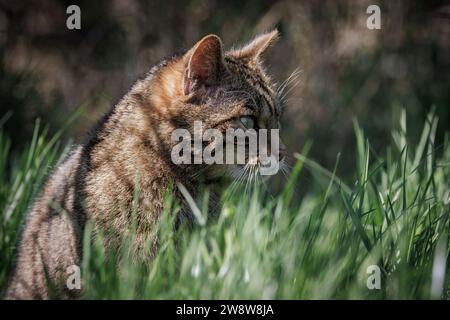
252	51
204	64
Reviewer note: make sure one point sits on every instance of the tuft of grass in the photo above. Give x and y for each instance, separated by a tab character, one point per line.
392	217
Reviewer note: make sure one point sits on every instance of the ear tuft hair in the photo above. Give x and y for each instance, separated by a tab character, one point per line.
255	48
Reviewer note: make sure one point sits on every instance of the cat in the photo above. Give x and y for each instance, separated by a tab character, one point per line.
131	146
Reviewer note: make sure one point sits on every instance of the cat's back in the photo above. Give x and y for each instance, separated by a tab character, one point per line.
50	235
58	194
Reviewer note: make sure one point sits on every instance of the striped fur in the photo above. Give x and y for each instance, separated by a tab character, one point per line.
129	149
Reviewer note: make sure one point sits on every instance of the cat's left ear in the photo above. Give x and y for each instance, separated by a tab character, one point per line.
204	64
253	50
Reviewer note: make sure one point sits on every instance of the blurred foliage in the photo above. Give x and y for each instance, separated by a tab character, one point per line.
395	214
347	70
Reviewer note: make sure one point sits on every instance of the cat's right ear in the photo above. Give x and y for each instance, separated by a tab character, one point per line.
204	64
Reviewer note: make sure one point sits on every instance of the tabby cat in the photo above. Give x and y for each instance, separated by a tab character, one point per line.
131	147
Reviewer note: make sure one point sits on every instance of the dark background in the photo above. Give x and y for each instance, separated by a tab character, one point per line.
347	71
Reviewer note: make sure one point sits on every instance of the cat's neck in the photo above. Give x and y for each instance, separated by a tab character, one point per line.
136	136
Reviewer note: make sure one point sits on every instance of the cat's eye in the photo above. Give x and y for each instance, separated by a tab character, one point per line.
248	122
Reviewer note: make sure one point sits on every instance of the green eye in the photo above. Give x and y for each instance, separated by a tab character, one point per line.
248	122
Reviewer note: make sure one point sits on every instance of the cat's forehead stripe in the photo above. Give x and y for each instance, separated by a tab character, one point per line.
249	73
256	82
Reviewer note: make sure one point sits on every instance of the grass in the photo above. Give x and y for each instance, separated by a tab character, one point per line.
394	214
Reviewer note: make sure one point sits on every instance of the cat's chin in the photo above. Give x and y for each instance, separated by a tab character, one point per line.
244	173
217	173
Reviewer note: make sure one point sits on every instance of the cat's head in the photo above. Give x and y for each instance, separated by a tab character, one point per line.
226	90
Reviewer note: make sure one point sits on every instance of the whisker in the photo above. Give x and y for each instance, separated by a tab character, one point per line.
239	179
285	94
287	83
287	80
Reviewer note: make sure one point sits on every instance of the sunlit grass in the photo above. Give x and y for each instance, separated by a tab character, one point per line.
394	214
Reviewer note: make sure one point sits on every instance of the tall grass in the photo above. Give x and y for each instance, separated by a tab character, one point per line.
393	215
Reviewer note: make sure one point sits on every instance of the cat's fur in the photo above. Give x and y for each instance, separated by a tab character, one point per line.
131	146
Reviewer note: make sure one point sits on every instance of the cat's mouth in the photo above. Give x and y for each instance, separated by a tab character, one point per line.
256	169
